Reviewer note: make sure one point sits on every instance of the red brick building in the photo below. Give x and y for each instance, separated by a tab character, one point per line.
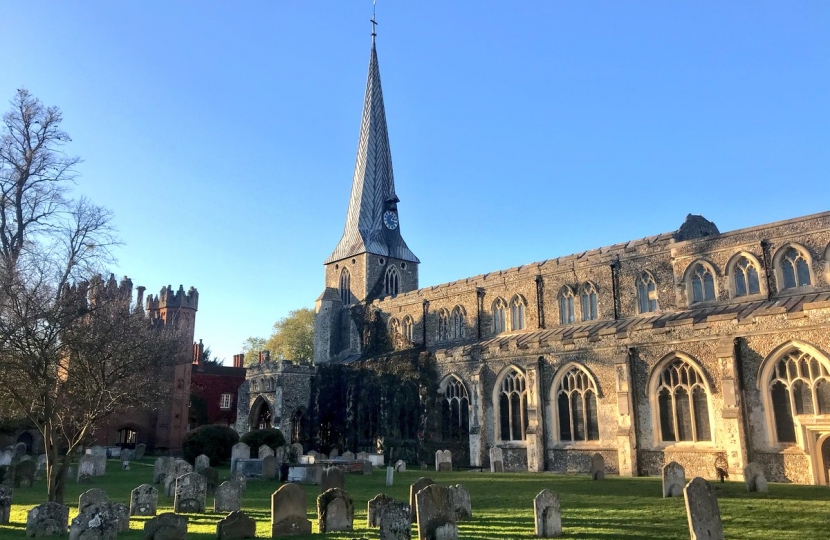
213	390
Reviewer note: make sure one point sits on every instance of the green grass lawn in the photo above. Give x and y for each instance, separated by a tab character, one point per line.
502	506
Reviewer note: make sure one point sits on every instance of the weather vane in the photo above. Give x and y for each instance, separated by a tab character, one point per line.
373	21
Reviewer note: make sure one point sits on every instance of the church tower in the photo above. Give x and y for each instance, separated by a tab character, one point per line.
371	260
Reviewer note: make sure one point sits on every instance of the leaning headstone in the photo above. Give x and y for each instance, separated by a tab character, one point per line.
674	478
211	479
436	515
288	512
92	497
496	456
375	509
167	526
754	477
394	522
140	450
367	467
177	468
239	451
390	476
597	467
547	513
191	489
144	500
47	519
201	462
265	451
24	474
443	460
5	504
100	464
400	466
335	511
702	511
86	469
236	526
348	456
420	484
460	498
332	477
228	497
160	469
269	467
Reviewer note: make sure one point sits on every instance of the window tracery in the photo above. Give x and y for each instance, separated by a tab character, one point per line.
647	293
391	281
799	385
512	406
345	287
588	301
682	402
702	283
455	410
499	309
443	324
794	268
576	404
566	305
517	313
457	329
745	277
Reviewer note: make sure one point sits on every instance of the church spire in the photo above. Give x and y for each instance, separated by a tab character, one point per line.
372	220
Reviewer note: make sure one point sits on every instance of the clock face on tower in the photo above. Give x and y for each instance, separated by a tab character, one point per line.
390	219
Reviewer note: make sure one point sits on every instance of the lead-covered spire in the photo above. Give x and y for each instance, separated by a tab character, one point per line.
372	224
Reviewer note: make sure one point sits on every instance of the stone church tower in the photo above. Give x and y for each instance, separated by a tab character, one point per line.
371	260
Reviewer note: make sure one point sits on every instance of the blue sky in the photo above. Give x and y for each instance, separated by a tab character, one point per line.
223	134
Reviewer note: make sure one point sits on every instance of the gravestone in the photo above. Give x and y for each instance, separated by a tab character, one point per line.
176	469
335	511
211	479
99	463
160	469
547	514
167	526
280	455
240	480
144	500
97	450
597	467
122	514
86	469
390	476
40	463
250	468
191	489
236	526
420	484
306	460
314	454
394	522
140	450
297	449
5	504
674	478
265	451
362	456
754	477
332	477
24	474
288	512
127	454
334	452
702	511
101	521
443	460
228	497
125	465
47	519
496	457
436	515
400	466
375	509
461	503
201	462
348	456
6	457
367	468
92	497
269	467
239	451
20	449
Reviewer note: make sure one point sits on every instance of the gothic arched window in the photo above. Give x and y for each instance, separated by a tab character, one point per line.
576	406
511	405
406	328
682	403
799	385
588	301
566	305
457	323
499	309
646	293
346	287
702	283
443	324
391	282
455	410
395	332
745	277
517	313
794	268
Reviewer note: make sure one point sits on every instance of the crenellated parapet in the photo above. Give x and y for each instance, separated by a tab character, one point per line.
167	299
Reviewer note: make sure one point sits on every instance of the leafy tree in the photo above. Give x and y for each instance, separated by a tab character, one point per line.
293	337
252	347
270	436
216	442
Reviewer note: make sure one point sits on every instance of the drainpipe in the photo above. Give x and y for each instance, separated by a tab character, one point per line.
540	309
424	319
764	251
613	267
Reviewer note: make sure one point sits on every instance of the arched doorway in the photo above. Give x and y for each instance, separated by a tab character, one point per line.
261	415
27	439
127	437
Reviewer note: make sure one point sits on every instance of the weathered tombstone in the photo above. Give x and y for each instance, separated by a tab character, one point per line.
335	511
211	479
122	515
20	449
754	477
47	519
24	474
348	456
5	504
265	451
420	484
228	497
297	448
99	521
597	467
496	456
332	477
280	455
160	469
306	460
702	511
269	467
201	462
40	464
375	509
461	502
548	517
390	476
436	515
443	460
239	451
99	462
191	489
288	512
400	466
86	469
334	452
97	450
674	478
362	456
315	454
176	469
92	497
394	522
127	454
167	526
367	467
144	500
140	450
6	457
125	465
236	526
240	480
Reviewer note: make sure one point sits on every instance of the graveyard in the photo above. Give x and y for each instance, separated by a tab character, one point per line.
502	504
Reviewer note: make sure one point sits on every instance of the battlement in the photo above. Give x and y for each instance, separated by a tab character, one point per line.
167	299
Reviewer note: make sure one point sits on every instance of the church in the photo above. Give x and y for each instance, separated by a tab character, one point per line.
702	347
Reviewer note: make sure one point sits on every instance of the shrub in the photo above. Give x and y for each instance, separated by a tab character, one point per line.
216	442
270	436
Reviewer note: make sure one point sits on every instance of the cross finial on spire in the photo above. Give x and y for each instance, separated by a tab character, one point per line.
373	21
